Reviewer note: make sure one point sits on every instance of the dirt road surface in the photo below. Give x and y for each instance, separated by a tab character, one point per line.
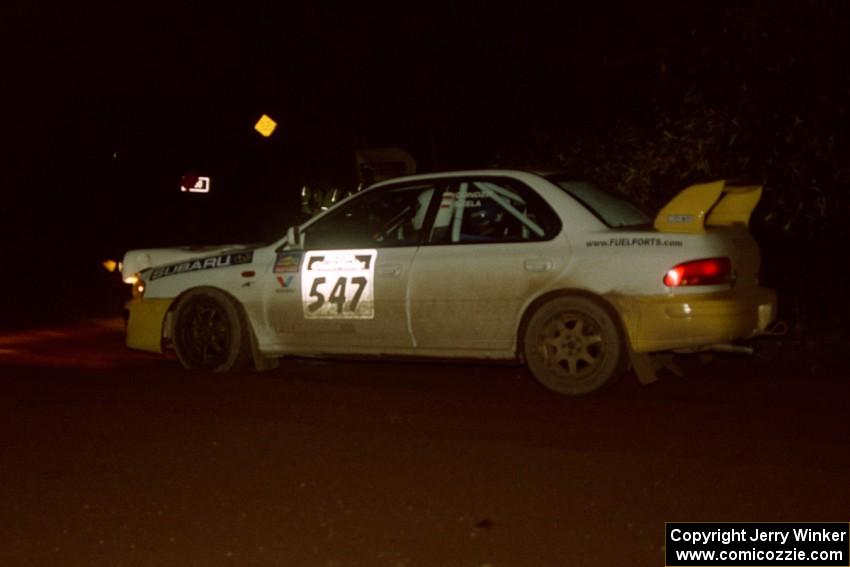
117	458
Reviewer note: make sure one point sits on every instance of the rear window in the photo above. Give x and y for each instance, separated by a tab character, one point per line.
612	209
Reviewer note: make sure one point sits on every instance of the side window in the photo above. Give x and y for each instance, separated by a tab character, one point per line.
384	217
492	211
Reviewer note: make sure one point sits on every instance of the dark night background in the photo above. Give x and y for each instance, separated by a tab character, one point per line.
105	107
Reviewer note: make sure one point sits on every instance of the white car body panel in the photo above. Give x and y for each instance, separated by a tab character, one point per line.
443	300
388	327
465	300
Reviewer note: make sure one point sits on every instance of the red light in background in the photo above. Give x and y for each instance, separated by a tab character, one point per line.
191	183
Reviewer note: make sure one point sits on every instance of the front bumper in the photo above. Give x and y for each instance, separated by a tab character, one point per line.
145	323
665	322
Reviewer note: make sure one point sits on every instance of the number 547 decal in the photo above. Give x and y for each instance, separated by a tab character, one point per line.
338	284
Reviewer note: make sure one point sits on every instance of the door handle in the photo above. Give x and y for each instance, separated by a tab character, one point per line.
388	270
538	265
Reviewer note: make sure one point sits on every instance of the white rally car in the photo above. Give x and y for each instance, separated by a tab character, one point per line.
575	282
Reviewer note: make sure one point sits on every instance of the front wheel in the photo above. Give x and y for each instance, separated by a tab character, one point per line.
573	345
211	332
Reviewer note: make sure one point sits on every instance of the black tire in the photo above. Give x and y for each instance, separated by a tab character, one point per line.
573	345
211	332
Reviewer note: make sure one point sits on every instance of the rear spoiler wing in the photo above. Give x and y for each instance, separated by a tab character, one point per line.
709	204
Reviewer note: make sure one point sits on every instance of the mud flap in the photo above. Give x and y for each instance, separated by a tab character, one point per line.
646	365
261	362
264	363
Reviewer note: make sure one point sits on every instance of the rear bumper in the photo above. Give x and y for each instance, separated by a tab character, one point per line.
671	322
144	323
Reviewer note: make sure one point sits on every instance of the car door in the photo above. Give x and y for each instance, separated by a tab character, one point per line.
346	291
490	248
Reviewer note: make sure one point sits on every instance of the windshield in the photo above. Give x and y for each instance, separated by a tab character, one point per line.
612	209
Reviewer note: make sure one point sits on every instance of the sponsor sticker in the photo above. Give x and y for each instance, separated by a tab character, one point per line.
222	261
339	284
286	283
287	262
680	219
634	242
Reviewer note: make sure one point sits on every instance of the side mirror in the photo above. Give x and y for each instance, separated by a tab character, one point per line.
294	238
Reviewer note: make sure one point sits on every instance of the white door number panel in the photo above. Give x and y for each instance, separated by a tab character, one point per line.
338	284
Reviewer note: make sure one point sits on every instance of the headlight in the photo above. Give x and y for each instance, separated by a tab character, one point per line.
138	287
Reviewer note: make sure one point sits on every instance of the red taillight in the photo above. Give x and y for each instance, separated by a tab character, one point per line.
710	271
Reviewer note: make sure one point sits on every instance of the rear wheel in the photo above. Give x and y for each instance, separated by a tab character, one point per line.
573	345
211	332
